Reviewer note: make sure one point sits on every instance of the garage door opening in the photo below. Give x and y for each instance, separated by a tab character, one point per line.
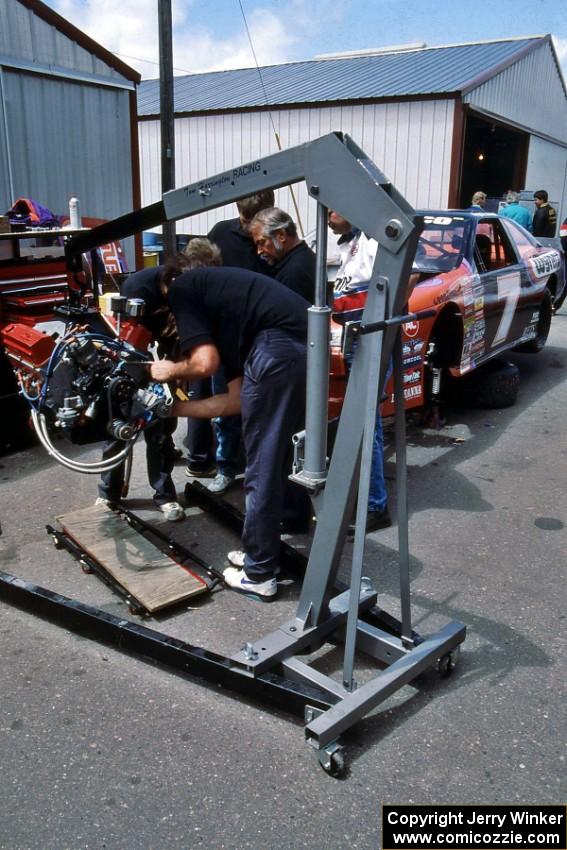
494	160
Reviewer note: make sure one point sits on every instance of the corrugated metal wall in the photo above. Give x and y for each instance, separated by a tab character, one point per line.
528	94
27	38
5	183
547	169
68	139
410	142
65	120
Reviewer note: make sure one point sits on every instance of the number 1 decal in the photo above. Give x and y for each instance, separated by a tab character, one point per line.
509	287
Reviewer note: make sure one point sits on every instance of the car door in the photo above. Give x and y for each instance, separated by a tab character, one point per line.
504	292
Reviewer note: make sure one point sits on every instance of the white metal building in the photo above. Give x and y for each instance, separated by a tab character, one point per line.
440	122
67	116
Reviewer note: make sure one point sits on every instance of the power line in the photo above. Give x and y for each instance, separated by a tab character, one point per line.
276	134
151	62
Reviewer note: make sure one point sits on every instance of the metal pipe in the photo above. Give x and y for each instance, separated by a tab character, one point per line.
402	488
315	459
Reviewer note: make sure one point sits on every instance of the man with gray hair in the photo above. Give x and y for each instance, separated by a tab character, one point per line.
516	211
292	261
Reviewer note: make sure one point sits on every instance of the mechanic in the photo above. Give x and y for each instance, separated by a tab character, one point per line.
478	201
160	448
257	331
237	249
516	211
292	261
357	255
545	216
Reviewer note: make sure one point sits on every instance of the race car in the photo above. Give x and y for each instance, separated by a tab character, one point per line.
492	286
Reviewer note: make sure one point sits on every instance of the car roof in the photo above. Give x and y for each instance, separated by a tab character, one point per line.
471	214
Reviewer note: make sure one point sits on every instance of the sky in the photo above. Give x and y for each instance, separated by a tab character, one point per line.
211	35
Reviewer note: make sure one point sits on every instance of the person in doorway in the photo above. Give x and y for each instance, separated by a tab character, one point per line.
357	255
292	262
545	217
516	211
478	201
214	447
160	449
257	331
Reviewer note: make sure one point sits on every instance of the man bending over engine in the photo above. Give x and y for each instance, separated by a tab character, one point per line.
257	331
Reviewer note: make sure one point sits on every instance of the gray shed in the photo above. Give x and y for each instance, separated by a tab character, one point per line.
67	116
441	122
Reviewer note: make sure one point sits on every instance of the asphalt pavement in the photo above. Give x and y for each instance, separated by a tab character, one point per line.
101	749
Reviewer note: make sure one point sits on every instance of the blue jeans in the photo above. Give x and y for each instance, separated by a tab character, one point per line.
228	432
377	495
273	408
199	438
160	458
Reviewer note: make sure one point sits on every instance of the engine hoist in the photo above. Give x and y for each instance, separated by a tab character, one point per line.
87	373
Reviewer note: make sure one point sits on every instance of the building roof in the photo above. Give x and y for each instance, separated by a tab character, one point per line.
396	74
50	16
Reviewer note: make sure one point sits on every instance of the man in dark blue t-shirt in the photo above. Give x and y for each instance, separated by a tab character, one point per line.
257	331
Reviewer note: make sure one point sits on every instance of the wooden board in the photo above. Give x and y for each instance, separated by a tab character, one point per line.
153	579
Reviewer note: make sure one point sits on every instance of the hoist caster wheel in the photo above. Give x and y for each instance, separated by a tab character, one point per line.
56	541
332	760
85	568
447	663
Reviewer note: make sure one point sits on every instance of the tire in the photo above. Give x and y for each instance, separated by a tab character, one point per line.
535	345
493	386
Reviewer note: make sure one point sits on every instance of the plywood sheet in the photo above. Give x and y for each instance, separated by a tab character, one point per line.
153	579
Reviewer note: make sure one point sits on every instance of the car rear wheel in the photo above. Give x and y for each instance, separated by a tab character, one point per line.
535	345
492	386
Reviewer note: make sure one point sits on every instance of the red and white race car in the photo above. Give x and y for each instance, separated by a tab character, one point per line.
493	288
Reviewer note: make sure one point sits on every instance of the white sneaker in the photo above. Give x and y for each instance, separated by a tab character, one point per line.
265	591
220	483
100	502
172	511
236	558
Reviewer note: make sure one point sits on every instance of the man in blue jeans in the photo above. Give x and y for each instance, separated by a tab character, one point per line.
357	255
257	331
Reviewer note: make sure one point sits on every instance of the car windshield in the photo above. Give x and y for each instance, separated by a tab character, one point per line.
442	243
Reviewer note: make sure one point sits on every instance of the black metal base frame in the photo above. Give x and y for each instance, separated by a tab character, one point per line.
149	644
327	708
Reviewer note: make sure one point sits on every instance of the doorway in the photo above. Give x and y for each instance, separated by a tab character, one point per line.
494	160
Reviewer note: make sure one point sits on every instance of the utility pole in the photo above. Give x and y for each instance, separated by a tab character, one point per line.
166	116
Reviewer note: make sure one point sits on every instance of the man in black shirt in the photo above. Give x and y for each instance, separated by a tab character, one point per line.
160	449
237	249
257	331
233	237
292	261
545	216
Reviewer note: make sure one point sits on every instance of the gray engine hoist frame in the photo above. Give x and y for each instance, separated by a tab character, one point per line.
341	177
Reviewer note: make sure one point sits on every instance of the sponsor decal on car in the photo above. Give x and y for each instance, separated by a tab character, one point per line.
411	329
545	264
412	377
413	392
